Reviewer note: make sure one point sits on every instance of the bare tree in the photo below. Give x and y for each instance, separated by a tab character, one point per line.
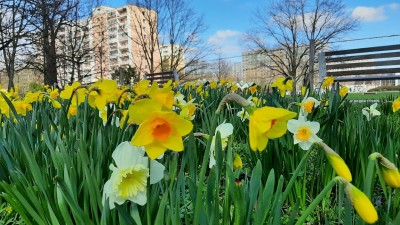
182	33
222	69
147	24
48	17
168	36
291	25
76	48
13	23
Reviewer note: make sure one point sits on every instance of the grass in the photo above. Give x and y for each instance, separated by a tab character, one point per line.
376	96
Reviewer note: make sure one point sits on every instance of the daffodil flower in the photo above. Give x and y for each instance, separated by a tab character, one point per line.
361	203
337	163
22	107
371	111
282	86
225	130
79	94
158	130
237	162
307	105
396	104
343	91
243	114
327	82
102	93
387	169
267	122
164	95
129	177
304	132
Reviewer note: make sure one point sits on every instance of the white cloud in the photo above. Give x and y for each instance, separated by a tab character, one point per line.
393	6
226	42
369	14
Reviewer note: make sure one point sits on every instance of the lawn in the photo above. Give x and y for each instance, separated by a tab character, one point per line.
370	96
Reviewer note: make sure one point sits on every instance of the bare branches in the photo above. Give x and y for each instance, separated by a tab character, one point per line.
291	25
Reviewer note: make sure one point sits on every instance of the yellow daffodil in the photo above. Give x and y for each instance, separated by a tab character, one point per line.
389	171
327	82
164	95
175	84
4	107
101	93
158	130
253	89
213	84
237	162
267	122
130	176
79	94
225	130
343	91
55	104
282	86
303	90
396	104
304	132
33	97
54	93
361	203
72	111
142	88
289	85
337	162
22	107
199	88
234	88
187	85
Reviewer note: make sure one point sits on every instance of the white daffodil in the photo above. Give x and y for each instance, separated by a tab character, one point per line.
371	111
304	132
225	130
129	177
179	98
243	114
307	105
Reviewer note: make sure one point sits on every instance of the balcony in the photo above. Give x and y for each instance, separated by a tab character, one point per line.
122	11
122	38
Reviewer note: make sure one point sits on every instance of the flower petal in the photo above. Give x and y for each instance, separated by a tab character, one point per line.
126	155
156	171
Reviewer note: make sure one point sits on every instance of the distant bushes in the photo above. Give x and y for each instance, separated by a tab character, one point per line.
385	88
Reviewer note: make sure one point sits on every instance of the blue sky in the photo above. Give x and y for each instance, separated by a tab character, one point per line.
227	20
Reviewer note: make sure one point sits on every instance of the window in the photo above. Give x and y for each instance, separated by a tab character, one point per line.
112	36
113	52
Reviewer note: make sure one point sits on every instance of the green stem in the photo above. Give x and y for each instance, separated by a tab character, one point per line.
204	167
295	174
370	176
316	201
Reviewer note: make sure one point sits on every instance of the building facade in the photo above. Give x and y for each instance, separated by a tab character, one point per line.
112	38
173	58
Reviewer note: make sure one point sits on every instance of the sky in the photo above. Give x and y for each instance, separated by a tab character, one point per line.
228	20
